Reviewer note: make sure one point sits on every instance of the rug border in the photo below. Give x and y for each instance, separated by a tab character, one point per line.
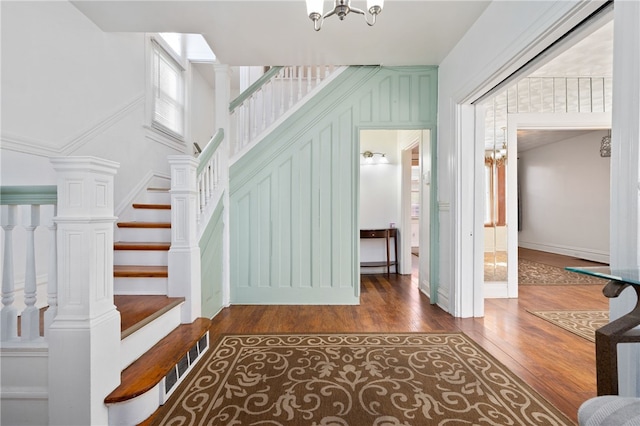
214	343
534	313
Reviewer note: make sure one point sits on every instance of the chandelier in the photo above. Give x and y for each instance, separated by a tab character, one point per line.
341	8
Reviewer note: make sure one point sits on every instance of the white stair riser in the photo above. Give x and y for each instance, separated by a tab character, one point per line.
152	215
141	235
140	286
158	197
140	257
135	345
135	410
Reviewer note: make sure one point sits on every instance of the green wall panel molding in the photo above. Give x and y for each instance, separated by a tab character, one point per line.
211	251
294	197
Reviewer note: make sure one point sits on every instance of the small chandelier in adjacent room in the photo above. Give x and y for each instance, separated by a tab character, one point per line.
341	8
605	145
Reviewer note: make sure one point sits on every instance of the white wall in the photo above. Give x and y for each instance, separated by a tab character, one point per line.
68	88
564	190
203	105
379	193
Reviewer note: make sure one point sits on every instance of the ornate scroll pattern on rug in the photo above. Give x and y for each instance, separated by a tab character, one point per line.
355	379
534	273
582	323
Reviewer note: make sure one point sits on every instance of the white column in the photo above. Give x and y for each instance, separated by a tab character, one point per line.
625	176
184	254
30	325
84	338
223	98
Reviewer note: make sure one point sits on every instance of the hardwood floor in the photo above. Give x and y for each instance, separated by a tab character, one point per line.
556	363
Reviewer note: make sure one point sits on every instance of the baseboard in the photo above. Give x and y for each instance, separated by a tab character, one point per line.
496	290
578	252
443	300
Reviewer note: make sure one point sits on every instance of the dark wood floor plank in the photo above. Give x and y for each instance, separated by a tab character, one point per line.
556	363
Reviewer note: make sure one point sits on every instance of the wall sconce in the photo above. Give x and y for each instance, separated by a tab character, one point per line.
369	157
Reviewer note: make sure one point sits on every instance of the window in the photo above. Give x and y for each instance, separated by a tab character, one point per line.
168	88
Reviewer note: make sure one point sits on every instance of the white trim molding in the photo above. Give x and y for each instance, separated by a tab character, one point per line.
23	144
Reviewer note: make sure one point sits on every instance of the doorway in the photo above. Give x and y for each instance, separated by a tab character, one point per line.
547	116
395	193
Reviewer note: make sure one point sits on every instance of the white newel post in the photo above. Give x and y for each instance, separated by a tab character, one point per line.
84	338
184	254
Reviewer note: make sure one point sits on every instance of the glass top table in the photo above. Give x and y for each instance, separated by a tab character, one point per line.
621	330
629	276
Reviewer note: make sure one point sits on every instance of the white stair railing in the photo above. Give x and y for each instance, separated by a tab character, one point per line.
270	99
28	201
209	175
195	190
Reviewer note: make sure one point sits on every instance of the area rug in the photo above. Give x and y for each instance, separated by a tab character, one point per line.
354	379
582	323
534	273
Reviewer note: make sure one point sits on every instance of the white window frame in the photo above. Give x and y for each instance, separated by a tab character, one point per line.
160	132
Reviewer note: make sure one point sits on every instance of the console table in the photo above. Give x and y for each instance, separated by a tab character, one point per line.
618	331
387	234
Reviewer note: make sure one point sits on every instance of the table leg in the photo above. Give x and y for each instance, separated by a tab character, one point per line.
608	337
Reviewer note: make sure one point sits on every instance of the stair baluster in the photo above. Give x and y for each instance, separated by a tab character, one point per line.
9	312
271	98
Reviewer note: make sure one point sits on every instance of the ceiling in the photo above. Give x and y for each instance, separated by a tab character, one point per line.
266	32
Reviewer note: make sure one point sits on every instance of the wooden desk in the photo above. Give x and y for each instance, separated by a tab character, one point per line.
387	234
621	330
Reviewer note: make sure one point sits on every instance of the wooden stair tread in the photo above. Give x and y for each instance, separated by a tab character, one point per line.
140	271
138	311
158	189
144	225
152	206
129	245
148	370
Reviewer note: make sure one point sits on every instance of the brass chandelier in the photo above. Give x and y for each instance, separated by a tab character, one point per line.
342	8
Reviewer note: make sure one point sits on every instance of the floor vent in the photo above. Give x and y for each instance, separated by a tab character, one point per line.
182	368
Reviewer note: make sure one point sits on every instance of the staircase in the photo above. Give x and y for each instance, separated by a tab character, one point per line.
157	351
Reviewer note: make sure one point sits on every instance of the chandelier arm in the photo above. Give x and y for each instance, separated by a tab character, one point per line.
373	19
329	13
358	11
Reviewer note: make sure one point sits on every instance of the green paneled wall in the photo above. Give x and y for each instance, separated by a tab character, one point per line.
294	198
211	264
